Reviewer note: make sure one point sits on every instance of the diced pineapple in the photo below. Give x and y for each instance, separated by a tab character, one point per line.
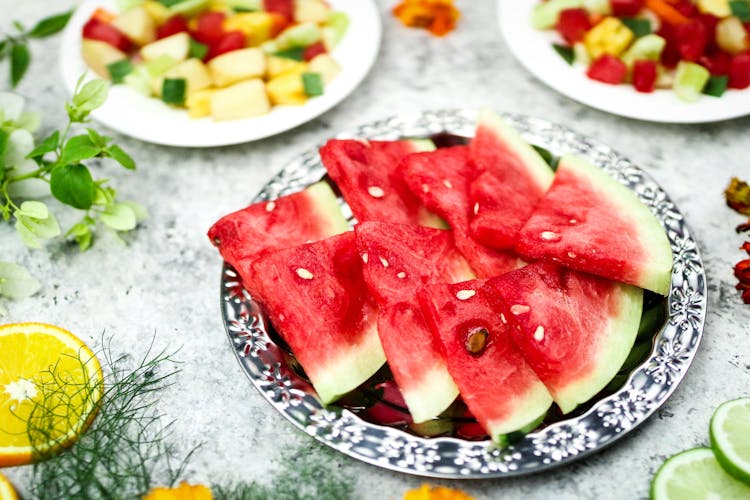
610	36
194	72
718	8
137	25
287	88
731	35
157	10
199	103
237	65
278	65
257	26
176	46
241	100
326	66
97	55
313	11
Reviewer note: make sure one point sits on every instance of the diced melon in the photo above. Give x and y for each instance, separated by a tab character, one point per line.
199	103
689	80
326	66
157	10
335	29
313	11
139	80
176	46
257	26
237	65
194	72
189	8
287	88
137	25
97	55
647	47
545	14
718	8
731	35
300	35
277	65
241	100
160	65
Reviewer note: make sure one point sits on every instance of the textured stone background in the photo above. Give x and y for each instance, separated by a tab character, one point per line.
166	279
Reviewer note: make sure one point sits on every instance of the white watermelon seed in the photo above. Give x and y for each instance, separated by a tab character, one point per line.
573	221
383	261
363	141
425	188
401	275
447	184
502	318
375	192
465	294
270	206
517	309
365	257
304	273
476	208
539	333
549	236
572	255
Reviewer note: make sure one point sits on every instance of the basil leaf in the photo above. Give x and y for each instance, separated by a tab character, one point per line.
20	57
79	148
92	95
46	146
73	185
121	157
97	138
50	25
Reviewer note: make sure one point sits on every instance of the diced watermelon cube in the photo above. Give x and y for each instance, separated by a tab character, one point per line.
234	40
608	69
313	51
692	39
644	75
283	7
573	25
709	22
686	8
670	56
626	8
172	26
739	71
717	63
210	27
95	29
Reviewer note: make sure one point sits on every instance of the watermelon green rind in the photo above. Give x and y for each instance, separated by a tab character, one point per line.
608	231
618	338
432	395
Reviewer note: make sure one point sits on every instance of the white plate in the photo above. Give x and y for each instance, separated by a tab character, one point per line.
150	120
534	50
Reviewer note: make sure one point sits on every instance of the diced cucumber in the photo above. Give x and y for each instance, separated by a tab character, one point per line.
126	5
174	91
647	47
602	7
565	52
335	29
544	16
300	35
716	85
245	5
296	54
118	70
741	9
689	80
169	3
189	8
313	84
160	65
139	80
197	50
640	26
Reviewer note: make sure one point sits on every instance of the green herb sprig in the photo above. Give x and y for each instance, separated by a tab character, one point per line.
15	47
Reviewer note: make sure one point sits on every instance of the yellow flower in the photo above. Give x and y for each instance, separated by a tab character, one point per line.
427	492
182	492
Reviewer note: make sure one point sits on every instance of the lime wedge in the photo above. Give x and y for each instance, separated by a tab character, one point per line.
695	475
730	437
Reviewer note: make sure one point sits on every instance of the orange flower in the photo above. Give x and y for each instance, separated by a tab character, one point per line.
427	492
438	16
182	492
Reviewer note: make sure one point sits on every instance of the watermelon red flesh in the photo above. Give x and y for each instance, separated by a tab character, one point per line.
440	178
497	385
575	330
316	299
309	215
369	176
513	179
590	222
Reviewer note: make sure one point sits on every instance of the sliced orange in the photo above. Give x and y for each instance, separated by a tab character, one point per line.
50	387
6	489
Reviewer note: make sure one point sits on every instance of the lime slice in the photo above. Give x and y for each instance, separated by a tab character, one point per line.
730	437
695	475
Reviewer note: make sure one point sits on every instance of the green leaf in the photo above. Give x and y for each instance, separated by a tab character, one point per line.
81	233
119	217
73	185
50	25
16	282
20	57
121	157
103	196
97	138
33	229
197	50
48	145
79	148
33	209
4	136
92	95
140	211
4	44
565	52
27	236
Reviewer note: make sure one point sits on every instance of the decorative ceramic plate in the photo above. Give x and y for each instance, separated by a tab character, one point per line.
533	49
273	371
151	120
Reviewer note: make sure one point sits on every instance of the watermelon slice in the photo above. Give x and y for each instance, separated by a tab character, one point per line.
513	179
369	176
495	382
398	260
440	178
317	301
575	330
590	222
309	215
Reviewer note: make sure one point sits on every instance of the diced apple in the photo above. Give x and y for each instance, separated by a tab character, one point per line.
194	72
731	35
287	88
718	8
326	66
137	25
313	11
157	11
237	65
199	103
257	26
176	46
97	55
277	65
241	100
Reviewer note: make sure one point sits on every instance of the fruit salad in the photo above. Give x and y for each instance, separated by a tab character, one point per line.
691	46
227	59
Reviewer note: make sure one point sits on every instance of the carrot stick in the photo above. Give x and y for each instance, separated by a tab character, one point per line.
666	12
